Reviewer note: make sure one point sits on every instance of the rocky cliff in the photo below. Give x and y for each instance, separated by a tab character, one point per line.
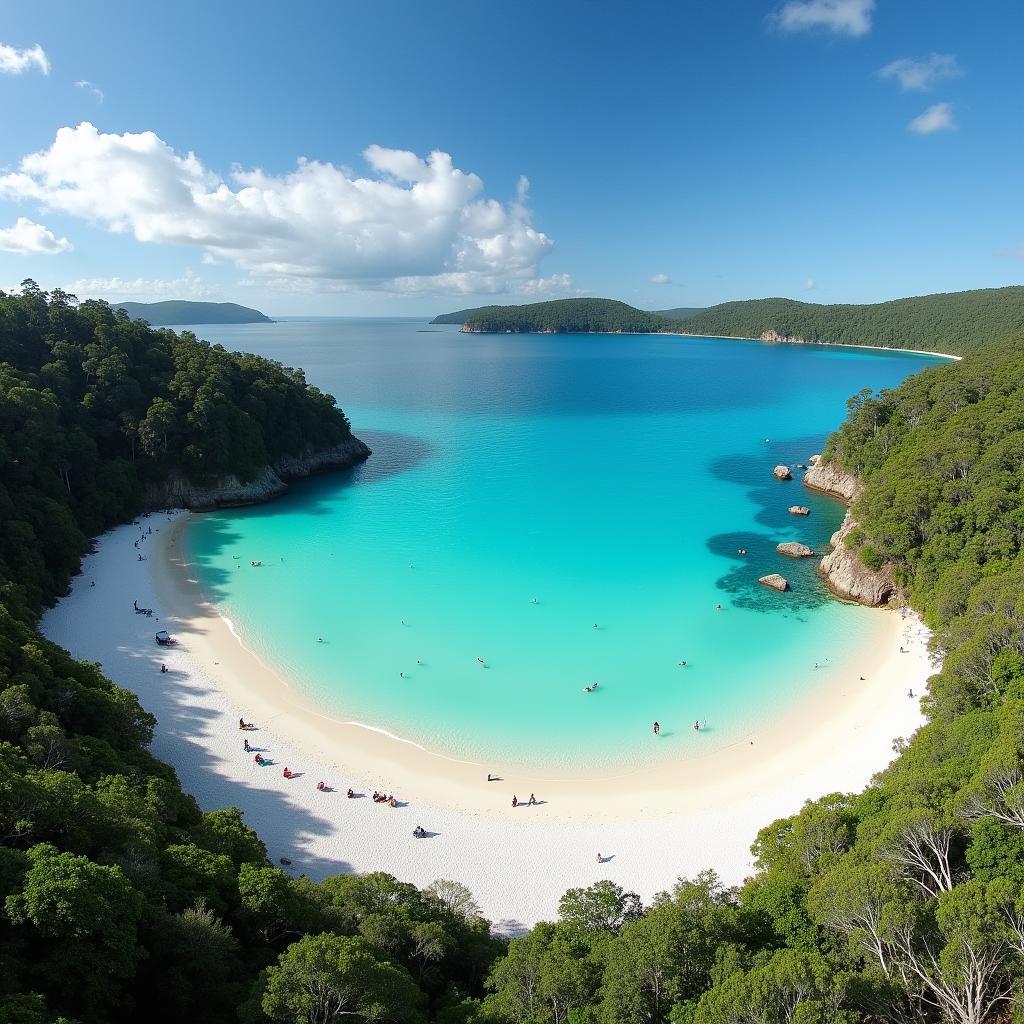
177	492
842	570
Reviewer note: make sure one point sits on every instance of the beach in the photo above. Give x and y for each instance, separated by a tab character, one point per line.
650	825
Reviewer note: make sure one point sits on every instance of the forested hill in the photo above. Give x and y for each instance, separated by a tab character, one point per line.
93	406
462	315
954	322
565	316
176	312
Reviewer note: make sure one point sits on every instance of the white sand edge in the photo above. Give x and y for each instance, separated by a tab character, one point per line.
652	826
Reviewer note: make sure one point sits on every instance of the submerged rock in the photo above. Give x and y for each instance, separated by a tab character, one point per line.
782	473
775	582
799	510
794	549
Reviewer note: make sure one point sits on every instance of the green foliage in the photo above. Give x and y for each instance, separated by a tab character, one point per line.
566	316
173	312
955	322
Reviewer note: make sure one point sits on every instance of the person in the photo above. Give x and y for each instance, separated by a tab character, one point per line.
490	777
376	796
657	728
349	793
515	802
392	802
682	664
287	773
246	747
481	660
418	662
163	668
241	723
319	639
910	693
532	800
402	674
140	557
595	625
901	650
321	786
259	759
600	859
419	832
92	583
718	607
696	726
135	604
533	600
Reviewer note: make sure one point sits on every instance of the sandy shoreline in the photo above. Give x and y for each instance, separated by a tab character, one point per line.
651	824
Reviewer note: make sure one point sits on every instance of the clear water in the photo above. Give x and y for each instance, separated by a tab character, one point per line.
612	478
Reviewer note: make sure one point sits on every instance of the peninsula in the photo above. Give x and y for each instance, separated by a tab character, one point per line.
953	322
179	312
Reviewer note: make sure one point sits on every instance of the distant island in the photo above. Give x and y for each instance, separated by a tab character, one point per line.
954	322
175	312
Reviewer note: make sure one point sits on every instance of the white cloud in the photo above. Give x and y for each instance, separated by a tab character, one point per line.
844	17
411	220
14	62
661	279
937	118
919	74
810	284
89	87
556	284
143	289
30	239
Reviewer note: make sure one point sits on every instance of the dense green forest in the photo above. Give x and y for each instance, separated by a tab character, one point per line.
174	312
121	901
565	316
954	322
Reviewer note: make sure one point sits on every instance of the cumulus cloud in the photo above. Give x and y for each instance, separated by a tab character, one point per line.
937	118
15	62
919	74
843	17
188	286
661	279
412	222
94	90
27	238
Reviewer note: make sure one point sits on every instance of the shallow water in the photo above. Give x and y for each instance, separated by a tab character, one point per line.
611	478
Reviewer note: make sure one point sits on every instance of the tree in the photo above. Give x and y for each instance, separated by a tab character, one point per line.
603	906
326	978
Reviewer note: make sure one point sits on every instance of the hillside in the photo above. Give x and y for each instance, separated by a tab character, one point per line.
461	315
458	317
955	322
175	312
679	312
565	316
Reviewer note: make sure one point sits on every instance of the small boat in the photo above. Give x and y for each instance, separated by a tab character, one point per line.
164	639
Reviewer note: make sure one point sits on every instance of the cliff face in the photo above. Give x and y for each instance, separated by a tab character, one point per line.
177	492
844	573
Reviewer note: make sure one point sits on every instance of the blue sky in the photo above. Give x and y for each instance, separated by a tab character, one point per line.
736	148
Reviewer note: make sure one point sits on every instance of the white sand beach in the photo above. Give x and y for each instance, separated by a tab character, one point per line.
650	826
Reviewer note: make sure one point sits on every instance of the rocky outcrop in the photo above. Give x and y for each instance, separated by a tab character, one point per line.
784	339
849	578
782	473
794	549
799	510
178	492
775	582
831	479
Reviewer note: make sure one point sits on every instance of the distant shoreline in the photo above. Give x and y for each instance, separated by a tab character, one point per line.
731	337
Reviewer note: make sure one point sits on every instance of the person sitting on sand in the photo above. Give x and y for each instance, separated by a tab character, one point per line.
376	796
419	832
392	802
259	759
241	723
322	786
515	802
350	794
532	800
287	773
246	747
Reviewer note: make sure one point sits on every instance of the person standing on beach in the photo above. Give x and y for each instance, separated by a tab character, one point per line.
657	728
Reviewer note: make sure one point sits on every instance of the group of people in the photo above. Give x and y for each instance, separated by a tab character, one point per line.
516	802
384	798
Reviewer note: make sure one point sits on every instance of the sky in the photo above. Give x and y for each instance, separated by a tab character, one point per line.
409	158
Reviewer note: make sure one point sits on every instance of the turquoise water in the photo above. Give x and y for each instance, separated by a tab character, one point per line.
611	478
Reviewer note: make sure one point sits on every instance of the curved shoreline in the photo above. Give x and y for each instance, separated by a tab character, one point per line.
653	824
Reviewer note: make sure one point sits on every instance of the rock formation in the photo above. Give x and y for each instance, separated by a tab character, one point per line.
799	510
775	582
782	473
794	549
178	492
849	578
843	571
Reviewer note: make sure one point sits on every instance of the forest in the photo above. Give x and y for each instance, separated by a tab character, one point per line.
950	322
121	900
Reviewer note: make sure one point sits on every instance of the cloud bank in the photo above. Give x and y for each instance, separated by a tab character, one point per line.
411	224
937	118
843	17
919	74
16	62
27	238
